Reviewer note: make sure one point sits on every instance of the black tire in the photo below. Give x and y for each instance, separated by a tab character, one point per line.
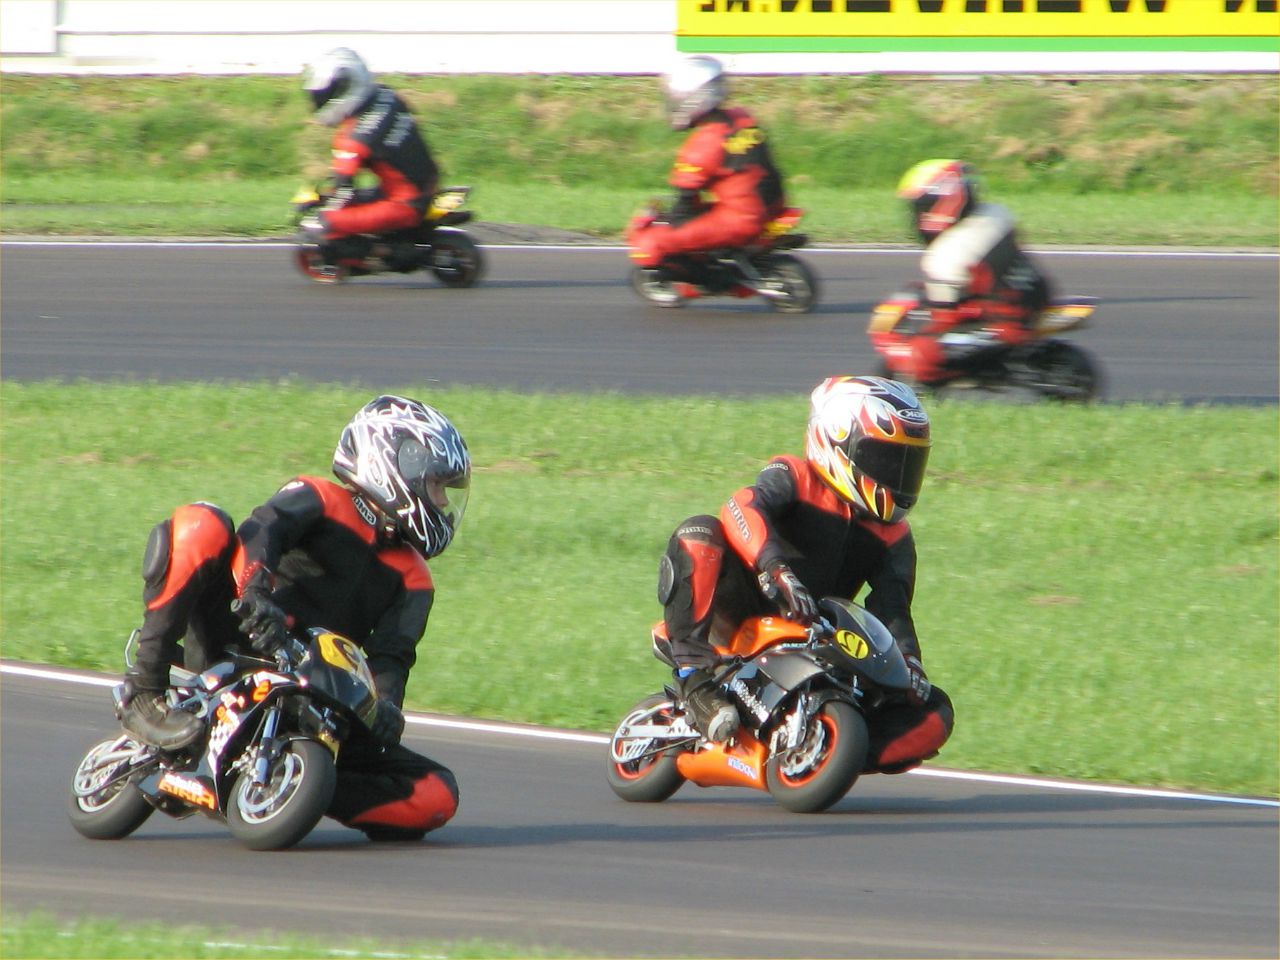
791	275
660	293
826	766
288	807
455	259
1063	371
307	258
650	779
115	810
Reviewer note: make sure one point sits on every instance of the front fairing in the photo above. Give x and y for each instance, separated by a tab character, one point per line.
335	672
861	646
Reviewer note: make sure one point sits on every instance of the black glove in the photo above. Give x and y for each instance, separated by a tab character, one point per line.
388	724
918	693
781	585
261	619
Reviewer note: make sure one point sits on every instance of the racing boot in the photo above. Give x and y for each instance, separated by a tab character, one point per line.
145	715
711	712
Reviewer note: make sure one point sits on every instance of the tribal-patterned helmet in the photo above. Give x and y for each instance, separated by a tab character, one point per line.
868	438
412	464
939	192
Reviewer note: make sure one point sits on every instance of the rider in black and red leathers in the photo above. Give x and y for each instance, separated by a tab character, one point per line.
350	557
825	525
728	185
375	131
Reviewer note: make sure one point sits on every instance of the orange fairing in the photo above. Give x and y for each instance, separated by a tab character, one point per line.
739	764
760	633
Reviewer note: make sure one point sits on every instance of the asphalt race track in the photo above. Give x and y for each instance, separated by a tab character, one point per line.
543	855
1182	327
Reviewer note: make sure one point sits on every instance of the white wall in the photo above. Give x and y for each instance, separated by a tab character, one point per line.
467	36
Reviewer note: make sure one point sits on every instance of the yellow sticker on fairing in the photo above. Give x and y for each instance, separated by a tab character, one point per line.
852	644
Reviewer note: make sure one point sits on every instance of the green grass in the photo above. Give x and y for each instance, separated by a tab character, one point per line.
38	935
1131	161
1098	587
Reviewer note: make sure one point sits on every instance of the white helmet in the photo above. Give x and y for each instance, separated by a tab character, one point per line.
412	464
339	84
694	88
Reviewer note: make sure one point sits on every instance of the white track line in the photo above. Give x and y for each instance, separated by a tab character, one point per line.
569	736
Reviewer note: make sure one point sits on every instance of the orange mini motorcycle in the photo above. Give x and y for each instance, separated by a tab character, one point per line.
802	693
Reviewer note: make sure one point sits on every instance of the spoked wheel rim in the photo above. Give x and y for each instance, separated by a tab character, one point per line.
807	761
92	784
261	804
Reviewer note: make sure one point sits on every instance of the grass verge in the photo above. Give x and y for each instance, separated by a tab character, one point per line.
1156	160
1098	587
35	936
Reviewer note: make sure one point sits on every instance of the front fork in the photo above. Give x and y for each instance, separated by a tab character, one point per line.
268	749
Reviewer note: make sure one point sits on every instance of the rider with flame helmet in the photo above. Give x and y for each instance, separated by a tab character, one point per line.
727	184
377	132
350	557
825	525
975	273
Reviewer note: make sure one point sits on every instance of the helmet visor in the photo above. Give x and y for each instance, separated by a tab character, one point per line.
897	466
435	480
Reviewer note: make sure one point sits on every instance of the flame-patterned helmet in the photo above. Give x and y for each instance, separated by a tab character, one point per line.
868	438
412	464
338	83
693	88
939	192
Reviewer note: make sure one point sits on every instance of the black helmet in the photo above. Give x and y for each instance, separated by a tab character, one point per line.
411	463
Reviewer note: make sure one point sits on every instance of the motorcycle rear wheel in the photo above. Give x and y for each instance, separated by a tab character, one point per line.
791	275
455	259
108	812
1062	371
287	807
821	770
649	779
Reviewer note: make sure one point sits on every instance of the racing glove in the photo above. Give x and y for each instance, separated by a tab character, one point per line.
261	618
918	693
388	723
781	585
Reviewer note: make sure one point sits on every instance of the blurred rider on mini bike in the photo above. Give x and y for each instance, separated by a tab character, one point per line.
981	290
727	185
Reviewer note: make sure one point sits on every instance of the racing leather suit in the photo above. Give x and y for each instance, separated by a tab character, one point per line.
729	186
332	569
709	584
383	137
975	276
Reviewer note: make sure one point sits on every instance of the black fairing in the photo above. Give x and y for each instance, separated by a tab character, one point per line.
333	670
862	646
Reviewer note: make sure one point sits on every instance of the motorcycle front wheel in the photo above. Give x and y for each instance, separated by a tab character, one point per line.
310	263
105	804
455	259
797	284
822	769
635	774
651	287
280	812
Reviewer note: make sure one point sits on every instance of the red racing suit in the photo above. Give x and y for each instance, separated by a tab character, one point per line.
975	275
321	541
726	160
709	585
384	138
